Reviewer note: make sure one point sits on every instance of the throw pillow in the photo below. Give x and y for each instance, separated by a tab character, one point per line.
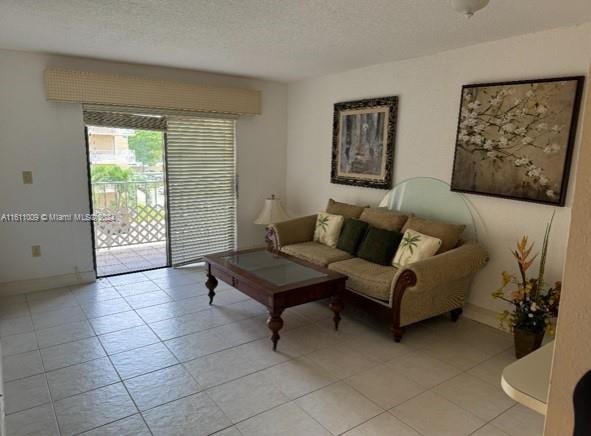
383	218
414	247
448	233
351	235
344	209
328	228
379	245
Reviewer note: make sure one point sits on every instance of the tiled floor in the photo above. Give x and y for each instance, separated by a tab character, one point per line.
145	354
130	258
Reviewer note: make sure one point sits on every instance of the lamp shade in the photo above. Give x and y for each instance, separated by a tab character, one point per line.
272	212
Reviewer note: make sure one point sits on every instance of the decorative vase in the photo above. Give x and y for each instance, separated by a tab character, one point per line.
526	341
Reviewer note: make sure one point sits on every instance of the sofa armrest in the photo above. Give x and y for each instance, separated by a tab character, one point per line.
435	285
450	266
292	231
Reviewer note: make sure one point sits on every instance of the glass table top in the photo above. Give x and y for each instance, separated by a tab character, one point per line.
274	269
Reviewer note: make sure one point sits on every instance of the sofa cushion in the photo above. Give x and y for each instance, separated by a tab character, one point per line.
328	228
352	234
448	233
344	209
316	253
414	247
366	277
379	245
383	218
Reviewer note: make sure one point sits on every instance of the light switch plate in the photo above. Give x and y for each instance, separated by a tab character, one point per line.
36	250
28	177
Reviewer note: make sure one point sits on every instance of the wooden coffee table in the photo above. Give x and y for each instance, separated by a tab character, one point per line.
277	281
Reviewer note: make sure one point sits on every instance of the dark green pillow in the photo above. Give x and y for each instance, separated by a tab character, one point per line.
379	246
351	235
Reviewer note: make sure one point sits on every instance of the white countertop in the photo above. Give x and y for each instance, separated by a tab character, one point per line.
527	380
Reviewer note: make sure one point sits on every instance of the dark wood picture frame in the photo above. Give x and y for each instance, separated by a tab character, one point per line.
458	185
386	157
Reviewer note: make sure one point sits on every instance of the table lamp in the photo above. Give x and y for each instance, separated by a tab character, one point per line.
272	213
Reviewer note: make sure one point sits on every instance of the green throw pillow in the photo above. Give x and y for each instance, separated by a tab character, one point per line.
351	235
379	246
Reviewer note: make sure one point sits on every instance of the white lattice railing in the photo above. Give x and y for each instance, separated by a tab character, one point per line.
139	209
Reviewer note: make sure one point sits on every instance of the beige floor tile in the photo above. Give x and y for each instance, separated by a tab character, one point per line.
286	420
19	343
307	339
53	318
138	288
424	369
196	415
247	396
383	425
131	426
520	421
385	386
338	407
26	393
148	299
489	430
64	333
299	377
456	354
115	322
490	370
16	325
32	422
227	365
159	387
96	309
142	360
92	409
341	361
433	415
71	353
476	396
22	365
128	339
198	344
84	377
379	346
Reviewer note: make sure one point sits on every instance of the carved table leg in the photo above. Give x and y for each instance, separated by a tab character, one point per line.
275	323
211	283
336	305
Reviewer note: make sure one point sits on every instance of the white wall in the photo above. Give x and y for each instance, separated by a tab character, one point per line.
48	138
429	94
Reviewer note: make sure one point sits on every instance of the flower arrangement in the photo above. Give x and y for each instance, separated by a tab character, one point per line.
534	306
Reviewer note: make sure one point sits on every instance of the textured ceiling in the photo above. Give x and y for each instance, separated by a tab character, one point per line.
273	39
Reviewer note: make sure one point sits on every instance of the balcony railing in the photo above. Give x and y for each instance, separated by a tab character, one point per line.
110	156
139	208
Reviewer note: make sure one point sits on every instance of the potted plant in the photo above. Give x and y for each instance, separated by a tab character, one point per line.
535	307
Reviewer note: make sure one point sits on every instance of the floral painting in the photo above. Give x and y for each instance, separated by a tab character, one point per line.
363	142
515	139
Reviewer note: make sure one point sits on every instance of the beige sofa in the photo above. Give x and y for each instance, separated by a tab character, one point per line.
406	295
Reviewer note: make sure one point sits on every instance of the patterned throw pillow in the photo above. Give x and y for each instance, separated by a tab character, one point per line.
328	228
414	247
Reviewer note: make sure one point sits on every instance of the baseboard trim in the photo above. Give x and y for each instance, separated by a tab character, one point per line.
43	283
482	315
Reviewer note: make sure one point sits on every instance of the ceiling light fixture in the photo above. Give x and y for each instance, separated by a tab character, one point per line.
468	7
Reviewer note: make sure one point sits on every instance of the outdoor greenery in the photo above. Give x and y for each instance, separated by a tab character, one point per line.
147	145
110	173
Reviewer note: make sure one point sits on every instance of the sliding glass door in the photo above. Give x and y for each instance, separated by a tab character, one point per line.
168	179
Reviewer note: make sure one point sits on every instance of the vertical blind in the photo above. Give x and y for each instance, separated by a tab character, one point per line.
201	174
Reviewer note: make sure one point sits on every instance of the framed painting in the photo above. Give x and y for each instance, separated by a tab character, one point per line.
363	142
515	139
